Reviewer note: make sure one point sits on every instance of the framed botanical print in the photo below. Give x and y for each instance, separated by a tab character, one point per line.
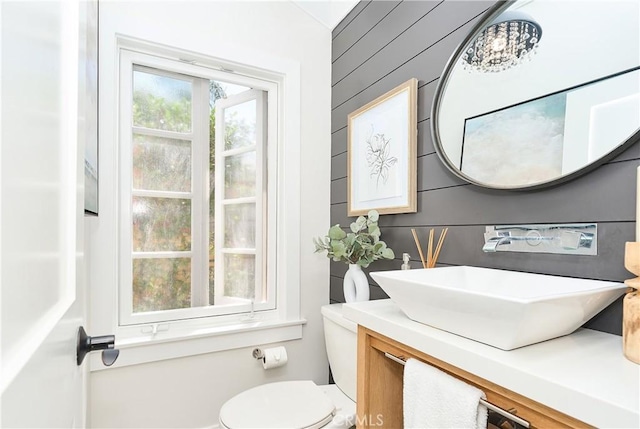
382	138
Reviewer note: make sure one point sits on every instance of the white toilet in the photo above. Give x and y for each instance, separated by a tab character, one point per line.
304	404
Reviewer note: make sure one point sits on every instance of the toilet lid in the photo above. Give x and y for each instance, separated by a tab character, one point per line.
288	404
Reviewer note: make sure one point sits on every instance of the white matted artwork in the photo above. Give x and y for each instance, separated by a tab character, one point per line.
382	153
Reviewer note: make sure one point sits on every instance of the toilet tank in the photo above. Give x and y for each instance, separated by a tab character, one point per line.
341	338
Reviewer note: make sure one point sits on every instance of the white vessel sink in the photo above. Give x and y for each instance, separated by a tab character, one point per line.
505	309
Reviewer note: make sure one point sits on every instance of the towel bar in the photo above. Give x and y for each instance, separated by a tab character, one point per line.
489	405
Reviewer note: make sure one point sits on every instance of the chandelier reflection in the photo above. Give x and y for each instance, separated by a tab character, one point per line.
509	40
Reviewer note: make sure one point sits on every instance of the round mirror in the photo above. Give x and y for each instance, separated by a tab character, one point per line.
540	92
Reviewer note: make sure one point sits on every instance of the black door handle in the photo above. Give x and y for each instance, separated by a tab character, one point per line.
88	344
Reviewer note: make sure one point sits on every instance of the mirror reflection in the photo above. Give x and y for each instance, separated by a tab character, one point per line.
570	101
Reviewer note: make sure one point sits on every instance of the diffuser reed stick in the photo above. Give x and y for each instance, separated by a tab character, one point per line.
415	238
443	234
430	249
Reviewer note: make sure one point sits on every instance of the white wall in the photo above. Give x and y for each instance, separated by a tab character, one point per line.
188	392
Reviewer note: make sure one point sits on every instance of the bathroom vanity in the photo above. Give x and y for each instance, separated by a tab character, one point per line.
580	380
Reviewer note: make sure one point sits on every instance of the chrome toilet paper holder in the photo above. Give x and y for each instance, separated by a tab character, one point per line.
271	357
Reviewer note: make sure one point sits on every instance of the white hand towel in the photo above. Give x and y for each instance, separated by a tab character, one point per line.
436	400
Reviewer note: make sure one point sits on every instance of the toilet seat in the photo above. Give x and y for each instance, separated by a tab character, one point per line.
287	404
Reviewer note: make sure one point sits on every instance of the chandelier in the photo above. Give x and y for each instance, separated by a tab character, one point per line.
509	40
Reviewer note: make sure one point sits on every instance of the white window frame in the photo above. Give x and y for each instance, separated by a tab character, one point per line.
265	225
130	60
155	341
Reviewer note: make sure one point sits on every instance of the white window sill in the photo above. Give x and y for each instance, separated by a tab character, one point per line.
170	345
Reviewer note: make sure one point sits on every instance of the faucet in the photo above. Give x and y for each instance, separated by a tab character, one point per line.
492	244
574	238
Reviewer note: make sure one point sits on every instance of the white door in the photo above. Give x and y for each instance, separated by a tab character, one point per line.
41	214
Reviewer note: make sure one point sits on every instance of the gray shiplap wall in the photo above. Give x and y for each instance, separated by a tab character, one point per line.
381	44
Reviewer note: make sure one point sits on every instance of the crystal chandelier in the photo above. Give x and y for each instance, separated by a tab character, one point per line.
508	41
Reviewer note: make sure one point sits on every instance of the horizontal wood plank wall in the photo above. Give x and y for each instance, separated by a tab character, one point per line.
381	44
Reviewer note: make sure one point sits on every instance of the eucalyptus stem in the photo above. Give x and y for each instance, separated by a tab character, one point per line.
361	246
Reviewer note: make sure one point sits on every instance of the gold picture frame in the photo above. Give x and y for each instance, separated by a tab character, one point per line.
381	152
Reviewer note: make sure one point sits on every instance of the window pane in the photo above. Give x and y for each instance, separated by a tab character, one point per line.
161	284
161	224
239	276
240	226
161	102
161	164
240	125
240	175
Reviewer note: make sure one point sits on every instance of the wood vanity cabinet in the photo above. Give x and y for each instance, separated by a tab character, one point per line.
380	387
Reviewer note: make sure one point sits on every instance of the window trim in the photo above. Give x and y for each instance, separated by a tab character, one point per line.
104	305
190	342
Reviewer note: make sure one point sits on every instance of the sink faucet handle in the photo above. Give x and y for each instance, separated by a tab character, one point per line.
570	239
575	239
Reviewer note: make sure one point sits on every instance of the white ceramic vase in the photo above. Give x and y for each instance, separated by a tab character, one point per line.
355	284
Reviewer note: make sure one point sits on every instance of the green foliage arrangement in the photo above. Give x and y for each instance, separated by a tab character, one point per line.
361	246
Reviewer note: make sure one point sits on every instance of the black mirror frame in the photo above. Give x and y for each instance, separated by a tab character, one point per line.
488	17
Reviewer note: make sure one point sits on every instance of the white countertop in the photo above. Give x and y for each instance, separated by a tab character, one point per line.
584	375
